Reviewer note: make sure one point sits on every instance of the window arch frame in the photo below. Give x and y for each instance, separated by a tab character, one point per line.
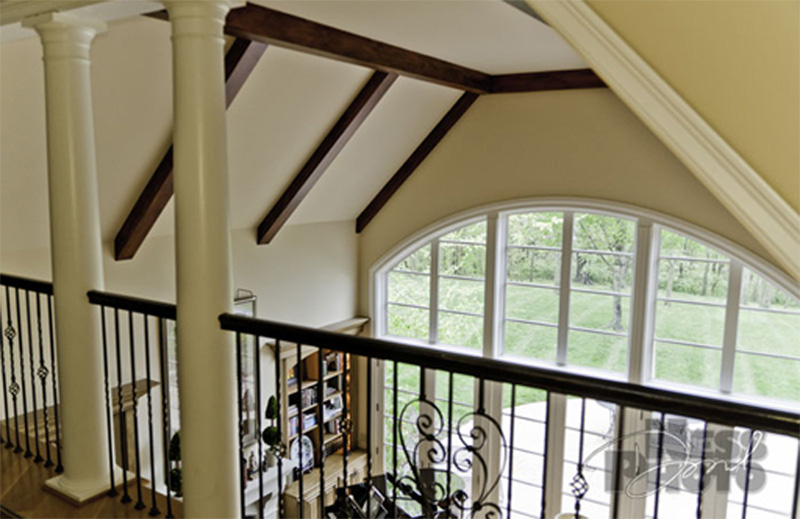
640	364
644	293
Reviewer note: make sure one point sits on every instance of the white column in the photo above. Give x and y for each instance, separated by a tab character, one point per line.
206	361
76	250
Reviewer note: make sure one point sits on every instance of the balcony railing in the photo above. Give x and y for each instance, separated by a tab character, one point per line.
429	451
406	431
30	387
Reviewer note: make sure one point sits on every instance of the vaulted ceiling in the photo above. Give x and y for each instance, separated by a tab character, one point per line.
284	110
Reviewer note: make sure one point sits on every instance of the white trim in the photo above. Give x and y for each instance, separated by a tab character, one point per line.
564	288
715	163
433	318
595	205
641	321
731	327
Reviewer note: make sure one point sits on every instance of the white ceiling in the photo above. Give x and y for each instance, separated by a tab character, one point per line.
281	114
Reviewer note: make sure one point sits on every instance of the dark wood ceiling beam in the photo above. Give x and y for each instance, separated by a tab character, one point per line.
259	23
416	158
326	152
240	60
541	81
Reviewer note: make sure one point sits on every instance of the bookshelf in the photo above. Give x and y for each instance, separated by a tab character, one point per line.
299	395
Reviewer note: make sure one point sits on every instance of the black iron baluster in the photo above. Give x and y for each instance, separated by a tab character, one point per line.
112	491
154	511
449	436
511	447
282	447
748	466
618	461
369	434
123	432
321	432
7	439
659	455
259	428
347	425
395	428
796	499
240	396
163	355
579	484
135	405
42	373
54	382
32	362
21	349
702	473
301	423
547	417
9	334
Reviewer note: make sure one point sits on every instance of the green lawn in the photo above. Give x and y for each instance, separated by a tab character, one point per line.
758	332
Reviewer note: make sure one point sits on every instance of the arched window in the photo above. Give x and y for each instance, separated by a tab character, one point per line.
556	284
613	290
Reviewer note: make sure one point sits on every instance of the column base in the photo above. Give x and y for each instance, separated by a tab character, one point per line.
80	493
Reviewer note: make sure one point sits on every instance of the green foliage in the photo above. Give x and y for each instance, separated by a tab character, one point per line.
175	447
699	273
272	409
271	436
176	481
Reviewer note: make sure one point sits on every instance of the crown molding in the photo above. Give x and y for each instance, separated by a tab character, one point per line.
702	150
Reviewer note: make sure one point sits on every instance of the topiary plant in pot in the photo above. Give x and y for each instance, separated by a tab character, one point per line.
270	435
175	473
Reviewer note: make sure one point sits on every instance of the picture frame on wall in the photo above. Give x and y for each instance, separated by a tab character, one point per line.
245	304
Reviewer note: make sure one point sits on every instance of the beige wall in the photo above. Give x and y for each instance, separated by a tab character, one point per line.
583	143
306	276
736	62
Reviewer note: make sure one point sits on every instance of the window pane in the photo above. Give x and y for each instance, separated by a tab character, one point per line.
693	280
461	295
460	330
529	340
532	304
408	379
412	289
602	272
475	232
691	323
603	233
767	376
677	245
537	229
541	267
594	350
462	260
769	332
408	322
599	312
419	261
688	364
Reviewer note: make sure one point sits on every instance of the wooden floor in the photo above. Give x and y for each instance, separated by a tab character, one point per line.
22	493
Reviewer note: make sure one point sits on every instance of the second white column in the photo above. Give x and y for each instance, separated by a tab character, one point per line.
203	256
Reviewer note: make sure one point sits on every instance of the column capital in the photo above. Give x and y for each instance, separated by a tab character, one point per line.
65	35
215	10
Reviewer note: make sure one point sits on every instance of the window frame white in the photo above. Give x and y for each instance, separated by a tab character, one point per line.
643	296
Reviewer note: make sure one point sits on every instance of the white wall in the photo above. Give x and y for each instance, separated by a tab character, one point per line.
569	143
305	276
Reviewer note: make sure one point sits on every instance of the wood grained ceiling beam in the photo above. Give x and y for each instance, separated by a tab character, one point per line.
417	157
259	23
240	60
541	81
323	156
